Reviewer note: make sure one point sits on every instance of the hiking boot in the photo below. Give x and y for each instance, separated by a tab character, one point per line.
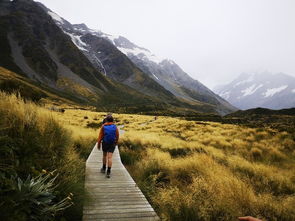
108	174
102	170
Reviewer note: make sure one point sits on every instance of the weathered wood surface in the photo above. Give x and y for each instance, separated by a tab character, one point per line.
115	198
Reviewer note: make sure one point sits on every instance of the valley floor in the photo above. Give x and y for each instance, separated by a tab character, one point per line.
188	170
196	170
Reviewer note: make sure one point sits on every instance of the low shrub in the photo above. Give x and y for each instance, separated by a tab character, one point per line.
94	125
256	153
129	157
179	152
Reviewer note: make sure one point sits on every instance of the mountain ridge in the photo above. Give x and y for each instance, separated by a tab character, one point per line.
164	71
38	48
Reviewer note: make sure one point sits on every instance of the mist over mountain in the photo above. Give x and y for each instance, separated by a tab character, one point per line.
267	90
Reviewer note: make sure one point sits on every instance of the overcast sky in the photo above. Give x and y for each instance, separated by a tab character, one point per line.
212	40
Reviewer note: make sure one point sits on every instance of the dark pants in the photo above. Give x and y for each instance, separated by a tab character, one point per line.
108	147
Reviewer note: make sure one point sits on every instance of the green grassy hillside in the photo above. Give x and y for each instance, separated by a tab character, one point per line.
31	90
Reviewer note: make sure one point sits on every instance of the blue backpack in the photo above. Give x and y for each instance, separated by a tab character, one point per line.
109	134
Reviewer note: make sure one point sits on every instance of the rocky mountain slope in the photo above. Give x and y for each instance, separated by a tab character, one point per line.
168	74
34	46
88	65
267	90
104	50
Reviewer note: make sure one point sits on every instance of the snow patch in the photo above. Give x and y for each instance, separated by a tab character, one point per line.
77	41
88	30
141	53
55	17
80	29
251	90
95	31
225	94
156	77
144	53
271	92
293	91
171	62
111	38
249	79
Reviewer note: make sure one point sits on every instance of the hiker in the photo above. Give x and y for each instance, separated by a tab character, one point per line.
109	136
105	119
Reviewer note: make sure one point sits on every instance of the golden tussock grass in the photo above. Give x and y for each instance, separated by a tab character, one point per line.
211	171
194	170
33	139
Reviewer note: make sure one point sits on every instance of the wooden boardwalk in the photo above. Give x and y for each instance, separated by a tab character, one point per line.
116	198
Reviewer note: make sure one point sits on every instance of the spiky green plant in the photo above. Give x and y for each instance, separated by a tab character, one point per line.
34	198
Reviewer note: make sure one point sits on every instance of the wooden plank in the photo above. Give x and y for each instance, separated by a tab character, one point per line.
115	184
112	211
111	184
150	218
118	199
103	203
115	198
120	215
117	194
115	190
111	206
122	188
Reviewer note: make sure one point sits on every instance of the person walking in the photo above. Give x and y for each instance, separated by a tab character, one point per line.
108	136
105	119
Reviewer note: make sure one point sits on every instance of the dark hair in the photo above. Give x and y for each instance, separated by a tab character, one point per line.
110	119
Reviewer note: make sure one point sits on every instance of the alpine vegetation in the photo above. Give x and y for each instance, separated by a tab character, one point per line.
193	170
42	164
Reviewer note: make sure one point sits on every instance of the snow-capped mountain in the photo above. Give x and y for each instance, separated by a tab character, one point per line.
35	47
104	55
165	72
168	74
250	90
